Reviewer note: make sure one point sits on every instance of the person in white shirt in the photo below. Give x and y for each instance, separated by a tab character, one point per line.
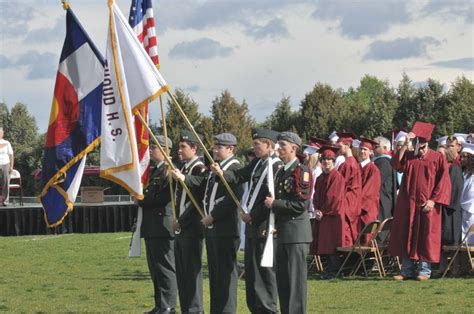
6	166
467	196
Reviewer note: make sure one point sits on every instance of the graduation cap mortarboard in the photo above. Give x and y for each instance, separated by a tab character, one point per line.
468	148
317	142
461	137
333	136
329	151
442	140
423	130
401	136
356	143
367	143
346	137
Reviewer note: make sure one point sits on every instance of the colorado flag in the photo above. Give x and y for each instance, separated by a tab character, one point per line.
74	124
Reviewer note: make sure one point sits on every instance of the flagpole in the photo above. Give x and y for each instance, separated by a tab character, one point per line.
209	157
170	164
165	133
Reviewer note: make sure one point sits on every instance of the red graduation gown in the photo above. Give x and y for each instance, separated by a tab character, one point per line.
371	181
417	234
328	198
350	170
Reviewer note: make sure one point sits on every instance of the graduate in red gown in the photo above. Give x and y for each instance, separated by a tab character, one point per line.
371	181
425	188
329	214
350	170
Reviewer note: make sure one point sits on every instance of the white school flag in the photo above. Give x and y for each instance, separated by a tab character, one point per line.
130	81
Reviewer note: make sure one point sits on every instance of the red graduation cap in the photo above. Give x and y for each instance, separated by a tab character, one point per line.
367	143
423	130
317	142
329	151
346	137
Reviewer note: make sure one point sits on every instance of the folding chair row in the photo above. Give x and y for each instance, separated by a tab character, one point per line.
373	239
463	246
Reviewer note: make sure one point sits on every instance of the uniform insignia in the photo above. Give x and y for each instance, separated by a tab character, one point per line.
306	177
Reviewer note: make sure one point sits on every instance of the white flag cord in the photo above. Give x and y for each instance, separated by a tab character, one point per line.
267	257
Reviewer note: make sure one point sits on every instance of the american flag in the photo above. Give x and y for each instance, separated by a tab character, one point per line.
143	23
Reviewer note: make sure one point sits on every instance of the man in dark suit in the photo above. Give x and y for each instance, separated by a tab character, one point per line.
188	244
222	228
156	229
260	282
388	187
293	184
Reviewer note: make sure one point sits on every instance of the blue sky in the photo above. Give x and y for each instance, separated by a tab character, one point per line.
259	50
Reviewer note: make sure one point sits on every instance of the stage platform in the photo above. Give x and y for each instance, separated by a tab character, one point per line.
116	214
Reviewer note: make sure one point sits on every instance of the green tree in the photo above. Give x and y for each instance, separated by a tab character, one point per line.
371	107
23	135
4	115
282	118
406	112
231	117
320	112
174	121
461	106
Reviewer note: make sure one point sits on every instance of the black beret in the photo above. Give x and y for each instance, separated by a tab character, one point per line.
188	136
265	133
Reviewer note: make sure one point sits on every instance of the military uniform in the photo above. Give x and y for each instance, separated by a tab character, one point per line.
293	184
188	244
159	239
260	282
222	238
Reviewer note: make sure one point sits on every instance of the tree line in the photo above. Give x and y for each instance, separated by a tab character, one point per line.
371	109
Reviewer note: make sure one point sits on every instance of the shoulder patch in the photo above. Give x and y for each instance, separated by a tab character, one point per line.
306	177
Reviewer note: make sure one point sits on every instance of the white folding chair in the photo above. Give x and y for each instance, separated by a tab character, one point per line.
15	183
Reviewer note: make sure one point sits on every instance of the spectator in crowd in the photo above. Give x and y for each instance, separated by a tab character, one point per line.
6	165
467	196
314	165
350	170
454	145
389	186
425	188
451	214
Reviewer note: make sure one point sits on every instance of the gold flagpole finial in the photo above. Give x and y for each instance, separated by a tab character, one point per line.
66	4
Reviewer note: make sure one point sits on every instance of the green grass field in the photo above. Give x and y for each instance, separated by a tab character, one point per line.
91	273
